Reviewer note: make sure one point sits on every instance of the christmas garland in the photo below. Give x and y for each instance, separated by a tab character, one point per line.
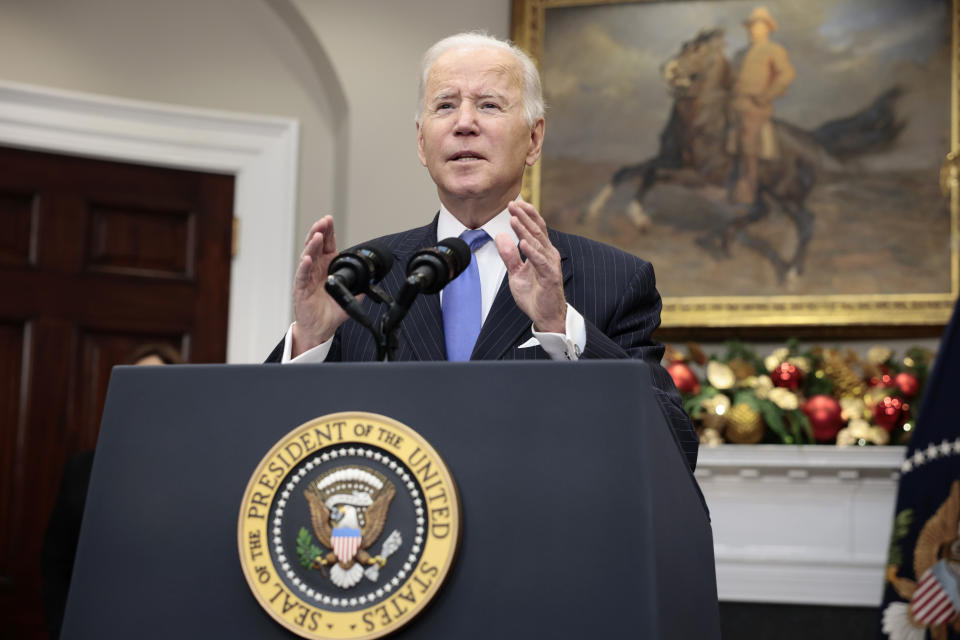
800	395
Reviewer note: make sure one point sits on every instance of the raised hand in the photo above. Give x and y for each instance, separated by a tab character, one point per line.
537	284
317	315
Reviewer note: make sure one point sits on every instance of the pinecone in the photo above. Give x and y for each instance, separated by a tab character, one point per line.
845	379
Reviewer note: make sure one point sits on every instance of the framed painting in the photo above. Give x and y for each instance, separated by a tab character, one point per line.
781	175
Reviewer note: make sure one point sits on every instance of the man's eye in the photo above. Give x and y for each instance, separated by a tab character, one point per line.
489	105
444	105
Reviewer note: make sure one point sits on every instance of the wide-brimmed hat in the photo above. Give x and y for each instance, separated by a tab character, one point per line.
761	13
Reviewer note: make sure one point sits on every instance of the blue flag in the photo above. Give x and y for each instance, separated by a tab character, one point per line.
921	597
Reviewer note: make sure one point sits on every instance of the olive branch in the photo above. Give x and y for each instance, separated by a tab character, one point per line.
306	549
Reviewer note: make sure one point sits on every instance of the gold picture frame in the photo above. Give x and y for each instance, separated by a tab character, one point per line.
867	307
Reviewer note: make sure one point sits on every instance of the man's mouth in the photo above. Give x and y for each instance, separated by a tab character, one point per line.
466	156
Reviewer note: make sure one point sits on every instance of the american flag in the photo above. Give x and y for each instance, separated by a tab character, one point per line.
931	604
346	541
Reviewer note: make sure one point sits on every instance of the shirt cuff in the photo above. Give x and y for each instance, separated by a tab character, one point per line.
567	346
317	354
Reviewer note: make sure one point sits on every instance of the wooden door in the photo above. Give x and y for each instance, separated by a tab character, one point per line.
96	258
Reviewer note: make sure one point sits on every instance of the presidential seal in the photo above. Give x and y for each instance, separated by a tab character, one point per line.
348	527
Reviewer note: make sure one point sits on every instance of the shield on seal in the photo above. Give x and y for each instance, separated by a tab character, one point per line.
346	541
935	600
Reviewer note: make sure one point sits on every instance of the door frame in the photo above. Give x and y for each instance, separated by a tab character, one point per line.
261	152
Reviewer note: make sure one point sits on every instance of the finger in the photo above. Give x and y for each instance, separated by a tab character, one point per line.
304	272
534	215
508	252
524	234
314	228
521	215
323	225
542	265
329	237
314	245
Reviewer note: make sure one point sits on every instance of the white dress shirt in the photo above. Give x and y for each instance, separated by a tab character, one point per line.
558	346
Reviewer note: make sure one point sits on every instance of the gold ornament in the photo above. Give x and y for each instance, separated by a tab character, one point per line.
784	398
720	375
744	424
742	369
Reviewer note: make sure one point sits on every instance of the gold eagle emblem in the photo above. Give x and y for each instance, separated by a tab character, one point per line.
348	511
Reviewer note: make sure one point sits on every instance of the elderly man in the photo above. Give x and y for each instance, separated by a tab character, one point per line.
564	297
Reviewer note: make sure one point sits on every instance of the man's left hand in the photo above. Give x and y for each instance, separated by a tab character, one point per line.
537	284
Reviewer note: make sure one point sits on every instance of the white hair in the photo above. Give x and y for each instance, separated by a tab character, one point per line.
533	106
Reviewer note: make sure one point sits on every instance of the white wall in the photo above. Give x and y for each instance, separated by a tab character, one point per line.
235	55
347	71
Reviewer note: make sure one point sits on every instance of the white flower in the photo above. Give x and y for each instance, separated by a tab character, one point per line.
801	363
775	358
783	398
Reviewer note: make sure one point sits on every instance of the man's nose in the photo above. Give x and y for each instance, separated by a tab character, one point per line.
466	120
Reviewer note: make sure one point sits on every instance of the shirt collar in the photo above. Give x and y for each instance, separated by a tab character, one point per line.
448	226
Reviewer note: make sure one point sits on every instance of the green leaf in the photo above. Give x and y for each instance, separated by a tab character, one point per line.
895	557
692	404
773	416
901	524
747	397
306	549
800	424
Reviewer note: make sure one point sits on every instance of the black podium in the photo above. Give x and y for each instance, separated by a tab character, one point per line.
580	515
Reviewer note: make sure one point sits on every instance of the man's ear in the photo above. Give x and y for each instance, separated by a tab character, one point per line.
536	141
420	155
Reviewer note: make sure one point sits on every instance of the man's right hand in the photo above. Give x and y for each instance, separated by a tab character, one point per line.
317	315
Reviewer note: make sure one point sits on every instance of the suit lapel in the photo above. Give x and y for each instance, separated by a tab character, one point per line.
507	323
421	332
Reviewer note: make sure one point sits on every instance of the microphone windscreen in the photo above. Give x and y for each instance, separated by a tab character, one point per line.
380	257
458	253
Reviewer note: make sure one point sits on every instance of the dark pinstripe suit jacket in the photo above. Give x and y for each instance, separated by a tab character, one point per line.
613	290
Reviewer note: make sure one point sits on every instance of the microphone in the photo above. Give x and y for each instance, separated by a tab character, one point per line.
355	269
429	270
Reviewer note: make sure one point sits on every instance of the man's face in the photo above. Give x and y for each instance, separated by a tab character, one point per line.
473	137
759	31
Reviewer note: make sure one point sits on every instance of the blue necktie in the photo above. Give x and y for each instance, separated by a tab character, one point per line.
462	303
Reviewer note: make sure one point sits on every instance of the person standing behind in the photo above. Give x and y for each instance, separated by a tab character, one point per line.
764	74
63	529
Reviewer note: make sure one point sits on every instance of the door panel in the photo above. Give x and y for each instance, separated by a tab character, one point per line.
96	258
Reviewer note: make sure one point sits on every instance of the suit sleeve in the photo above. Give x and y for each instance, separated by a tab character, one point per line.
629	335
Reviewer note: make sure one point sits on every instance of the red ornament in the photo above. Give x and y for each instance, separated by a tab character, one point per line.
825	417
786	375
883	380
684	378
890	412
907	384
